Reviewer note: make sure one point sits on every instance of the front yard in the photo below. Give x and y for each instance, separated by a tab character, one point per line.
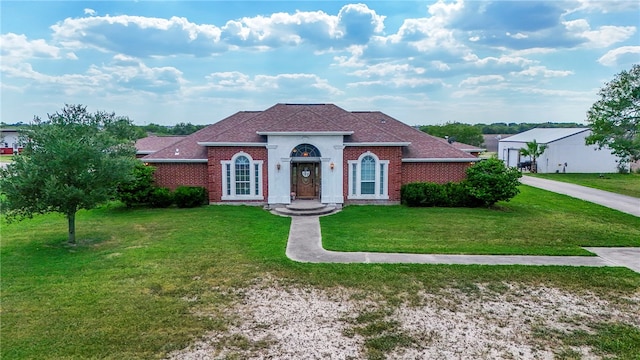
536	222
148	283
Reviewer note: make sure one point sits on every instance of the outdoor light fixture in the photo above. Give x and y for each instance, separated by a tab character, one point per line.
332	165
278	166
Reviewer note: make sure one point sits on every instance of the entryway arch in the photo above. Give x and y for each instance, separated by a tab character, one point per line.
305	172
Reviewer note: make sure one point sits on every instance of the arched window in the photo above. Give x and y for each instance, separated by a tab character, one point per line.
305	150
242	178
368	177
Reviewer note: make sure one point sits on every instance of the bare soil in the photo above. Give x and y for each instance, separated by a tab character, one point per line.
274	321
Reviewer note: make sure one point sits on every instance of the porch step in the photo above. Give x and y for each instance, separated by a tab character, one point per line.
305	208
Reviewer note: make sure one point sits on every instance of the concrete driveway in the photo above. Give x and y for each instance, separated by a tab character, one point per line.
627	204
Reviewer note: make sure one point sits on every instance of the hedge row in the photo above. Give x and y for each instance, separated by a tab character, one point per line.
487	182
183	197
438	195
140	190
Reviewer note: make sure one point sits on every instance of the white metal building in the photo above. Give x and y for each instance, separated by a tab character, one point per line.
566	151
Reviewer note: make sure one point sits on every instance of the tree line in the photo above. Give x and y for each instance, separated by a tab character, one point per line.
472	134
139	131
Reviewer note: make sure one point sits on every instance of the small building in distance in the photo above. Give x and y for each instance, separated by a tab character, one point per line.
566	151
9	143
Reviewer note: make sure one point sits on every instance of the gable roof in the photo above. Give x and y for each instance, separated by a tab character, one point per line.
151	144
251	128
464	147
544	135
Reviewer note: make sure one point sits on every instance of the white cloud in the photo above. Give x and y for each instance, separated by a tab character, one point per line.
439	65
149	36
605	7
290	83
90	12
123	74
503	60
518	35
17	48
613	57
137	35
535	71
385	69
602	37
400	82
476	80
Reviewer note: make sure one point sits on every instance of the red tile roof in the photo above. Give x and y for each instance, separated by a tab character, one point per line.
465	147
366	127
151	144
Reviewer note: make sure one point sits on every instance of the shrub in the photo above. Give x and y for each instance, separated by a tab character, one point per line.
190	196
137	190
491	181
459	195
161	197
440	195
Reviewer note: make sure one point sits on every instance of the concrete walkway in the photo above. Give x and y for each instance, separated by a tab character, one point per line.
305	239
305	245
627	204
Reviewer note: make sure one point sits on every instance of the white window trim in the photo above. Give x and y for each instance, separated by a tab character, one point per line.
376	195
252	176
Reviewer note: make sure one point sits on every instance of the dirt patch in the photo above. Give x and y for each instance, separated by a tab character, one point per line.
284	322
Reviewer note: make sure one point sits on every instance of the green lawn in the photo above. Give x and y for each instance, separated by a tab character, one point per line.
6	158
536	222
626	184
120	293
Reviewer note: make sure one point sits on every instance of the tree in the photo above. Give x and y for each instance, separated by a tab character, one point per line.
73	161
491	181
615	118
464	133
533	150
138	188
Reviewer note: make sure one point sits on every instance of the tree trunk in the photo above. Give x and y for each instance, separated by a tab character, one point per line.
72	227
534	166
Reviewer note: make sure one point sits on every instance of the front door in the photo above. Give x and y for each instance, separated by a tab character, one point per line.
305	181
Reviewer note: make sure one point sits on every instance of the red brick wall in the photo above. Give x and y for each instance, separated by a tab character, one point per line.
172	175
391	153
217	154
433	172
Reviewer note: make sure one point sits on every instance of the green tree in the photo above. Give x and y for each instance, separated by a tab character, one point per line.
73	161
533	150
463	133
185	128
139	187
615	118
491	181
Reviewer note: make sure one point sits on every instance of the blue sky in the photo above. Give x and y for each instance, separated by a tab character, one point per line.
423	62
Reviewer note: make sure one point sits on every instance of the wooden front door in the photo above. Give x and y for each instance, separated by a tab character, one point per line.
305	180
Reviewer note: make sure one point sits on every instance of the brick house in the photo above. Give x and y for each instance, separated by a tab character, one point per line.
307	151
